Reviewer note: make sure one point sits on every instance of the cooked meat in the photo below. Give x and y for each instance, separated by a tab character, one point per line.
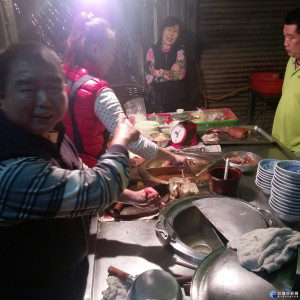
239	133
211	138
236	132
239	160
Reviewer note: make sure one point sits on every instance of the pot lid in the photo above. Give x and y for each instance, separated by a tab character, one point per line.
232	217
220	276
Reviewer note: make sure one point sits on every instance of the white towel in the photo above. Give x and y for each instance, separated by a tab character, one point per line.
117	289
266	249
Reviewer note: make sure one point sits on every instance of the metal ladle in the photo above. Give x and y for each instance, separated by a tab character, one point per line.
226	168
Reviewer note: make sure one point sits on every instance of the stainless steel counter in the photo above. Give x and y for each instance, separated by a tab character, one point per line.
134	247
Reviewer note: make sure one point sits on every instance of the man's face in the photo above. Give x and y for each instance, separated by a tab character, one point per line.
35	98
291	41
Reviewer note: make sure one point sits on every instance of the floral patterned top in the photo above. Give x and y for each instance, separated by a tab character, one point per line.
170	63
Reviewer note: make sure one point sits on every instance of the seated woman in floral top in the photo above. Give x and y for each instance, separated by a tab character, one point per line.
166	69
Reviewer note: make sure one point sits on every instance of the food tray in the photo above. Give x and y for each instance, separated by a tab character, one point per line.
257	136
230	121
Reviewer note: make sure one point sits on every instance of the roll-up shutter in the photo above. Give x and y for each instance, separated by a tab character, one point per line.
235	39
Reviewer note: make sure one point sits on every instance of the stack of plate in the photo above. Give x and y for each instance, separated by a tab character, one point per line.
264	174
285	192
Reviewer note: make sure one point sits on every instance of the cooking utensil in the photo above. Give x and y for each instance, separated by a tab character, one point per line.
151	284
121	274
118	208
232	217
199	183
226	168
210	164
182	227
220	276
183	177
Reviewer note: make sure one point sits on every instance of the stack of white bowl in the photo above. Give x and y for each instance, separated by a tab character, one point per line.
264	174
285	192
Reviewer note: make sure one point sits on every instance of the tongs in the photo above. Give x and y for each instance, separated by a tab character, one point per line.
199	182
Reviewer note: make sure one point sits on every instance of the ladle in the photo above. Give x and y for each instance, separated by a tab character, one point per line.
226	168
183	177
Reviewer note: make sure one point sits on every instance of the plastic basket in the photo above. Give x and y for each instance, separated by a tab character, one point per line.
267	83
231	119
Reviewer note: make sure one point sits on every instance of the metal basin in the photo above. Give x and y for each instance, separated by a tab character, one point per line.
182	227
151	170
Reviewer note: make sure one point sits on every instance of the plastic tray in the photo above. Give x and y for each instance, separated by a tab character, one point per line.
230	121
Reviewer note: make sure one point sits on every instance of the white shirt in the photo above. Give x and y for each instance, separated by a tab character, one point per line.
107	109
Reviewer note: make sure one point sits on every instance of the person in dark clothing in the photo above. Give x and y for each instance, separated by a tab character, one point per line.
46	193
166	69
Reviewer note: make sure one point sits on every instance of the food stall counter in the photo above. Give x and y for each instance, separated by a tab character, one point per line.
134	247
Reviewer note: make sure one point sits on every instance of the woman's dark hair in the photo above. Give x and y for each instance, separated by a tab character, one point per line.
33	52
86	31
170	22
293	18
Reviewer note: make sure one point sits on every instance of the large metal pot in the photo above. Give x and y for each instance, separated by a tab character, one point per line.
220	276
149	170
182	227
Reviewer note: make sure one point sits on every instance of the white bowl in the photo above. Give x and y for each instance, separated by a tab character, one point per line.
265	184
286	177
268	165
266	190
292	208
281	196
161	139
264	174
286	188
283	209
283	216
290	167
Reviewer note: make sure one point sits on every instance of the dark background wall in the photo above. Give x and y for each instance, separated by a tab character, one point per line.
226	40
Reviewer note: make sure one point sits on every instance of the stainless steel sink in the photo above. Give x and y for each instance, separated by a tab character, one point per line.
182	227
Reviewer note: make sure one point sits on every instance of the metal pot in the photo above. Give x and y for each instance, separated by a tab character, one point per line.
192	235
152	284
149	170
156	285
220	276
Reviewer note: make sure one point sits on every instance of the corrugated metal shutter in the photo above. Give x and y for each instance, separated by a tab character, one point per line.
238	38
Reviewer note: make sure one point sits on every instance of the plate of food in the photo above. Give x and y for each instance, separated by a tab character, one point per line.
243	160
234	135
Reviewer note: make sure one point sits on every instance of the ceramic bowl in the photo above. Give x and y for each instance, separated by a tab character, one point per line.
161	139
243	154
289	167
159	119
284	216
286	177
268	165
284	197
288	209
288	188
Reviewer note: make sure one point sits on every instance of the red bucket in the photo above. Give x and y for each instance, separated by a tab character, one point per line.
267	83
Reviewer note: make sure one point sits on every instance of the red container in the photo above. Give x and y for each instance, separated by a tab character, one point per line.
219	185
266	83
